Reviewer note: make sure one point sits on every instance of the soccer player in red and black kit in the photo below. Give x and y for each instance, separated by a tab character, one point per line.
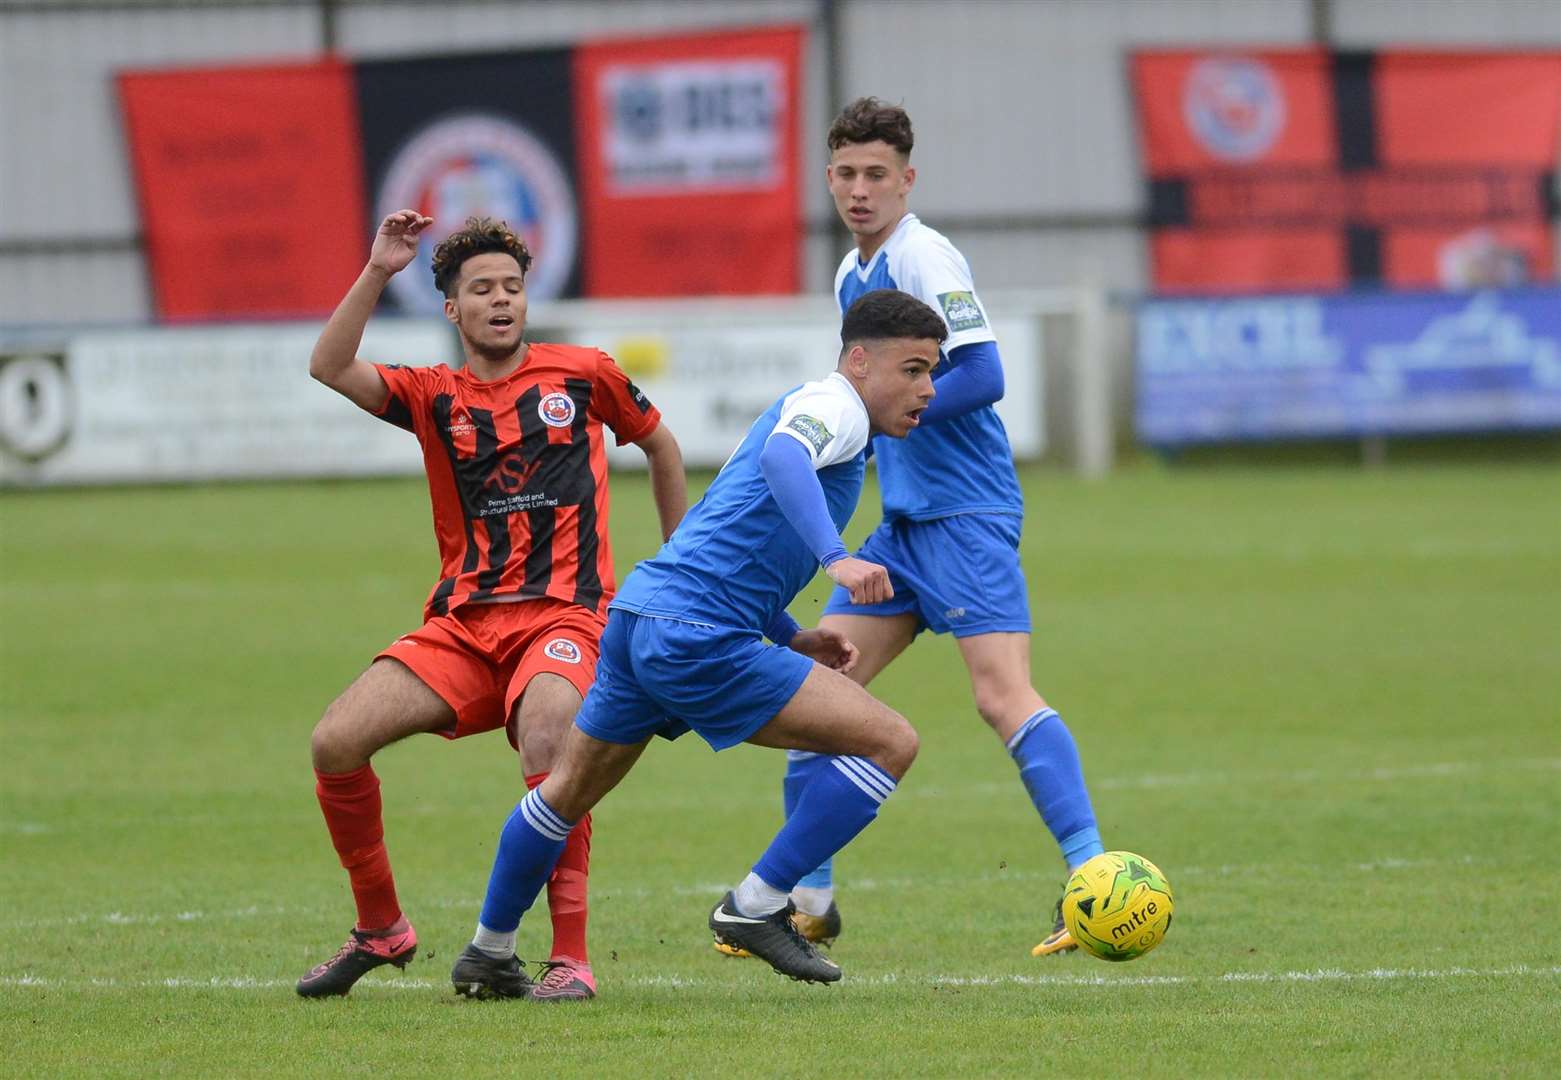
514	448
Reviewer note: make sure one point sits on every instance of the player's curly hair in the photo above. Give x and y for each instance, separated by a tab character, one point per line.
868	120
890	313
481	236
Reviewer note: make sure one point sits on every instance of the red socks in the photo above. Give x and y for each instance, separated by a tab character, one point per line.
351	804
566	889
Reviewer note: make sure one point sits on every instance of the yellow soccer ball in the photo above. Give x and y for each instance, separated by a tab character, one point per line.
1117	906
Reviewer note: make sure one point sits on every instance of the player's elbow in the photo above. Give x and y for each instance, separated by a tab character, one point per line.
322	369
996	386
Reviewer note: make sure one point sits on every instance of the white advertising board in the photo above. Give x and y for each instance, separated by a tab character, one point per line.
135	406
154	405
711	382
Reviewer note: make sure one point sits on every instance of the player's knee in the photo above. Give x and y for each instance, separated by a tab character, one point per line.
333	747
899	747
539	747
998	703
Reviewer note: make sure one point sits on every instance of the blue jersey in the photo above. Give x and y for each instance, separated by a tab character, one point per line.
955	466
735	560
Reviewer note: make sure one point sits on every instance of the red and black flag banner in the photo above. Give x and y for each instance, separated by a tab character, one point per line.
689	163
250	186
1305	169
482	135
632	168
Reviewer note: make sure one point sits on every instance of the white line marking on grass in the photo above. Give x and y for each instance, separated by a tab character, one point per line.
676	982
609	893
632	803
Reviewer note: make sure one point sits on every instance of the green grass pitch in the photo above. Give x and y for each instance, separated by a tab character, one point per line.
1327	702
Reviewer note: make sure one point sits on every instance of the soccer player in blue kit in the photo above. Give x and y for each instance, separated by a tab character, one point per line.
684	648
952	509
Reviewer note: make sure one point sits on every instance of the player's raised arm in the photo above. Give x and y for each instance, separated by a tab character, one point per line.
334	361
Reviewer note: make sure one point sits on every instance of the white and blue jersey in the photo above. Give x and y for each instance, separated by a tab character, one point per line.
957	466
952	510
684	645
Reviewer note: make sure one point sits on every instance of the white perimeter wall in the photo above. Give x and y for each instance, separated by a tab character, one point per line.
1026	149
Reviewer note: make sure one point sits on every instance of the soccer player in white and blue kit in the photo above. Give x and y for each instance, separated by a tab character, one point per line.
684	648
952	508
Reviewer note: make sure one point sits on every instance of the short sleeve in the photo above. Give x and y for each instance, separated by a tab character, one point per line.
409	394
622	405
828	418
938	275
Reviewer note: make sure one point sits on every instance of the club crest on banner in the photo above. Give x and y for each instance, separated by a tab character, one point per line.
556	410
1234	107
563	649
476	165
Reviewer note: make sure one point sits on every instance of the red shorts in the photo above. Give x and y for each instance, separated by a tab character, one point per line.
480	657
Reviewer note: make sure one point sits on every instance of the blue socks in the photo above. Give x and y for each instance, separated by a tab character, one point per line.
801	767
529	844
1048	761
838	802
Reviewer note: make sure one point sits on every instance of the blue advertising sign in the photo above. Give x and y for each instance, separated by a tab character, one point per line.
1276	367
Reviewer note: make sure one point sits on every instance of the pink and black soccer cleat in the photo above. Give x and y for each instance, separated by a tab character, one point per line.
564	979
360	954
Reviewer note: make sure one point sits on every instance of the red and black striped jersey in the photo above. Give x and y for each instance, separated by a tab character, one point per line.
517	471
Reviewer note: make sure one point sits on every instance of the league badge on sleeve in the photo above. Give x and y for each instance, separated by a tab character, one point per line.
813	430
961	311
563	649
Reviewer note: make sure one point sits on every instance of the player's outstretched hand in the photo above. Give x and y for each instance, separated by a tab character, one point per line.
395	245
829	647
867	582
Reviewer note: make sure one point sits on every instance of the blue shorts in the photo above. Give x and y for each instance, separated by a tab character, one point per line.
662	677
958	574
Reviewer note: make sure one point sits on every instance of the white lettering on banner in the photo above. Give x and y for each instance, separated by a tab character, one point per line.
1235	335
692	126
203	403
1481	335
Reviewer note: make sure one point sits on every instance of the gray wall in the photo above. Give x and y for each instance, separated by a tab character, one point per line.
1026	149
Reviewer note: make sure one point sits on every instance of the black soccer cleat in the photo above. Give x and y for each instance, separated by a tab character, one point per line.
478	975
360	954
773	938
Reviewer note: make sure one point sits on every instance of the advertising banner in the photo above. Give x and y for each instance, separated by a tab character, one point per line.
1310	170
472	136
1356	364
250	187
711	380
688	164
140	406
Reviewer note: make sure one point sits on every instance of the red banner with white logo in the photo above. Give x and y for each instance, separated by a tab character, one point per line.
688	161
250	187
1308	169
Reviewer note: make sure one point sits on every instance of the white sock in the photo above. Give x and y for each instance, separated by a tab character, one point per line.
497	945
813	901
755	898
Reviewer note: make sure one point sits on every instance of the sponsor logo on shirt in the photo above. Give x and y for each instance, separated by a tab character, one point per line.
813	430
556	410
563	649
461	423
961	311
639	398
